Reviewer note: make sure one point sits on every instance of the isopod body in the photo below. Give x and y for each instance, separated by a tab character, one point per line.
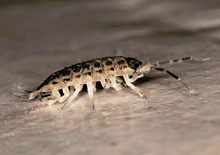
64	85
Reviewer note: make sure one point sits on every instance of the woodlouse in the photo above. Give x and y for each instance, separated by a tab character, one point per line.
106	70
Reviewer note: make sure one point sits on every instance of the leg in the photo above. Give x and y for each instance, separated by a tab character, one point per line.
90	92
135	77
114	84
103	82
108	84
137	90
66	93
78	88
47	99
173	75
120	82
94	86
55	96
71	89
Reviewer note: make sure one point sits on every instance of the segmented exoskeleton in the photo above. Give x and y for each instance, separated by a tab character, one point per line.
64	85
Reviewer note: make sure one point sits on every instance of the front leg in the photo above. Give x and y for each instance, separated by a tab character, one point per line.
135	77
136	89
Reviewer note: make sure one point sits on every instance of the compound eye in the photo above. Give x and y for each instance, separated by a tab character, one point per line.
136	65
133	63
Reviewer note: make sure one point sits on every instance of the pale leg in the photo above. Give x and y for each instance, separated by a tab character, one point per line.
66	93
119	80
135	77
108	84
114	84
55	95
94	86
78	88
137	90
103	83
71	89
90	92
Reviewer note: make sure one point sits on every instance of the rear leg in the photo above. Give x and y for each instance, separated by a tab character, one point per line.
66	93
56	95
47	98
78	88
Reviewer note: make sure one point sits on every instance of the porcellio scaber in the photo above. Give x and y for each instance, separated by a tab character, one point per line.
64	85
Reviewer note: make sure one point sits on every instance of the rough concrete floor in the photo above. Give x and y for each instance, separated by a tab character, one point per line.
37	39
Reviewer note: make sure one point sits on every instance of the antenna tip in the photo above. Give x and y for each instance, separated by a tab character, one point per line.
192	91
206	59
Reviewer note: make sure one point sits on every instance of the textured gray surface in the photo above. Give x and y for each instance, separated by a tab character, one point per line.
36	40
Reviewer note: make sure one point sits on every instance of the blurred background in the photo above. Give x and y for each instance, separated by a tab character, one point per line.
40	37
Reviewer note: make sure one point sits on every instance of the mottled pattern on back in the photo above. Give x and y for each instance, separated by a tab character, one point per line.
92	70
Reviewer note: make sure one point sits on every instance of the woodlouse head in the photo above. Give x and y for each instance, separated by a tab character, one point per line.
133	63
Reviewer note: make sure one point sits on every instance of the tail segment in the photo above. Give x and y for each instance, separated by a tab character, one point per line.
22	93
25	94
